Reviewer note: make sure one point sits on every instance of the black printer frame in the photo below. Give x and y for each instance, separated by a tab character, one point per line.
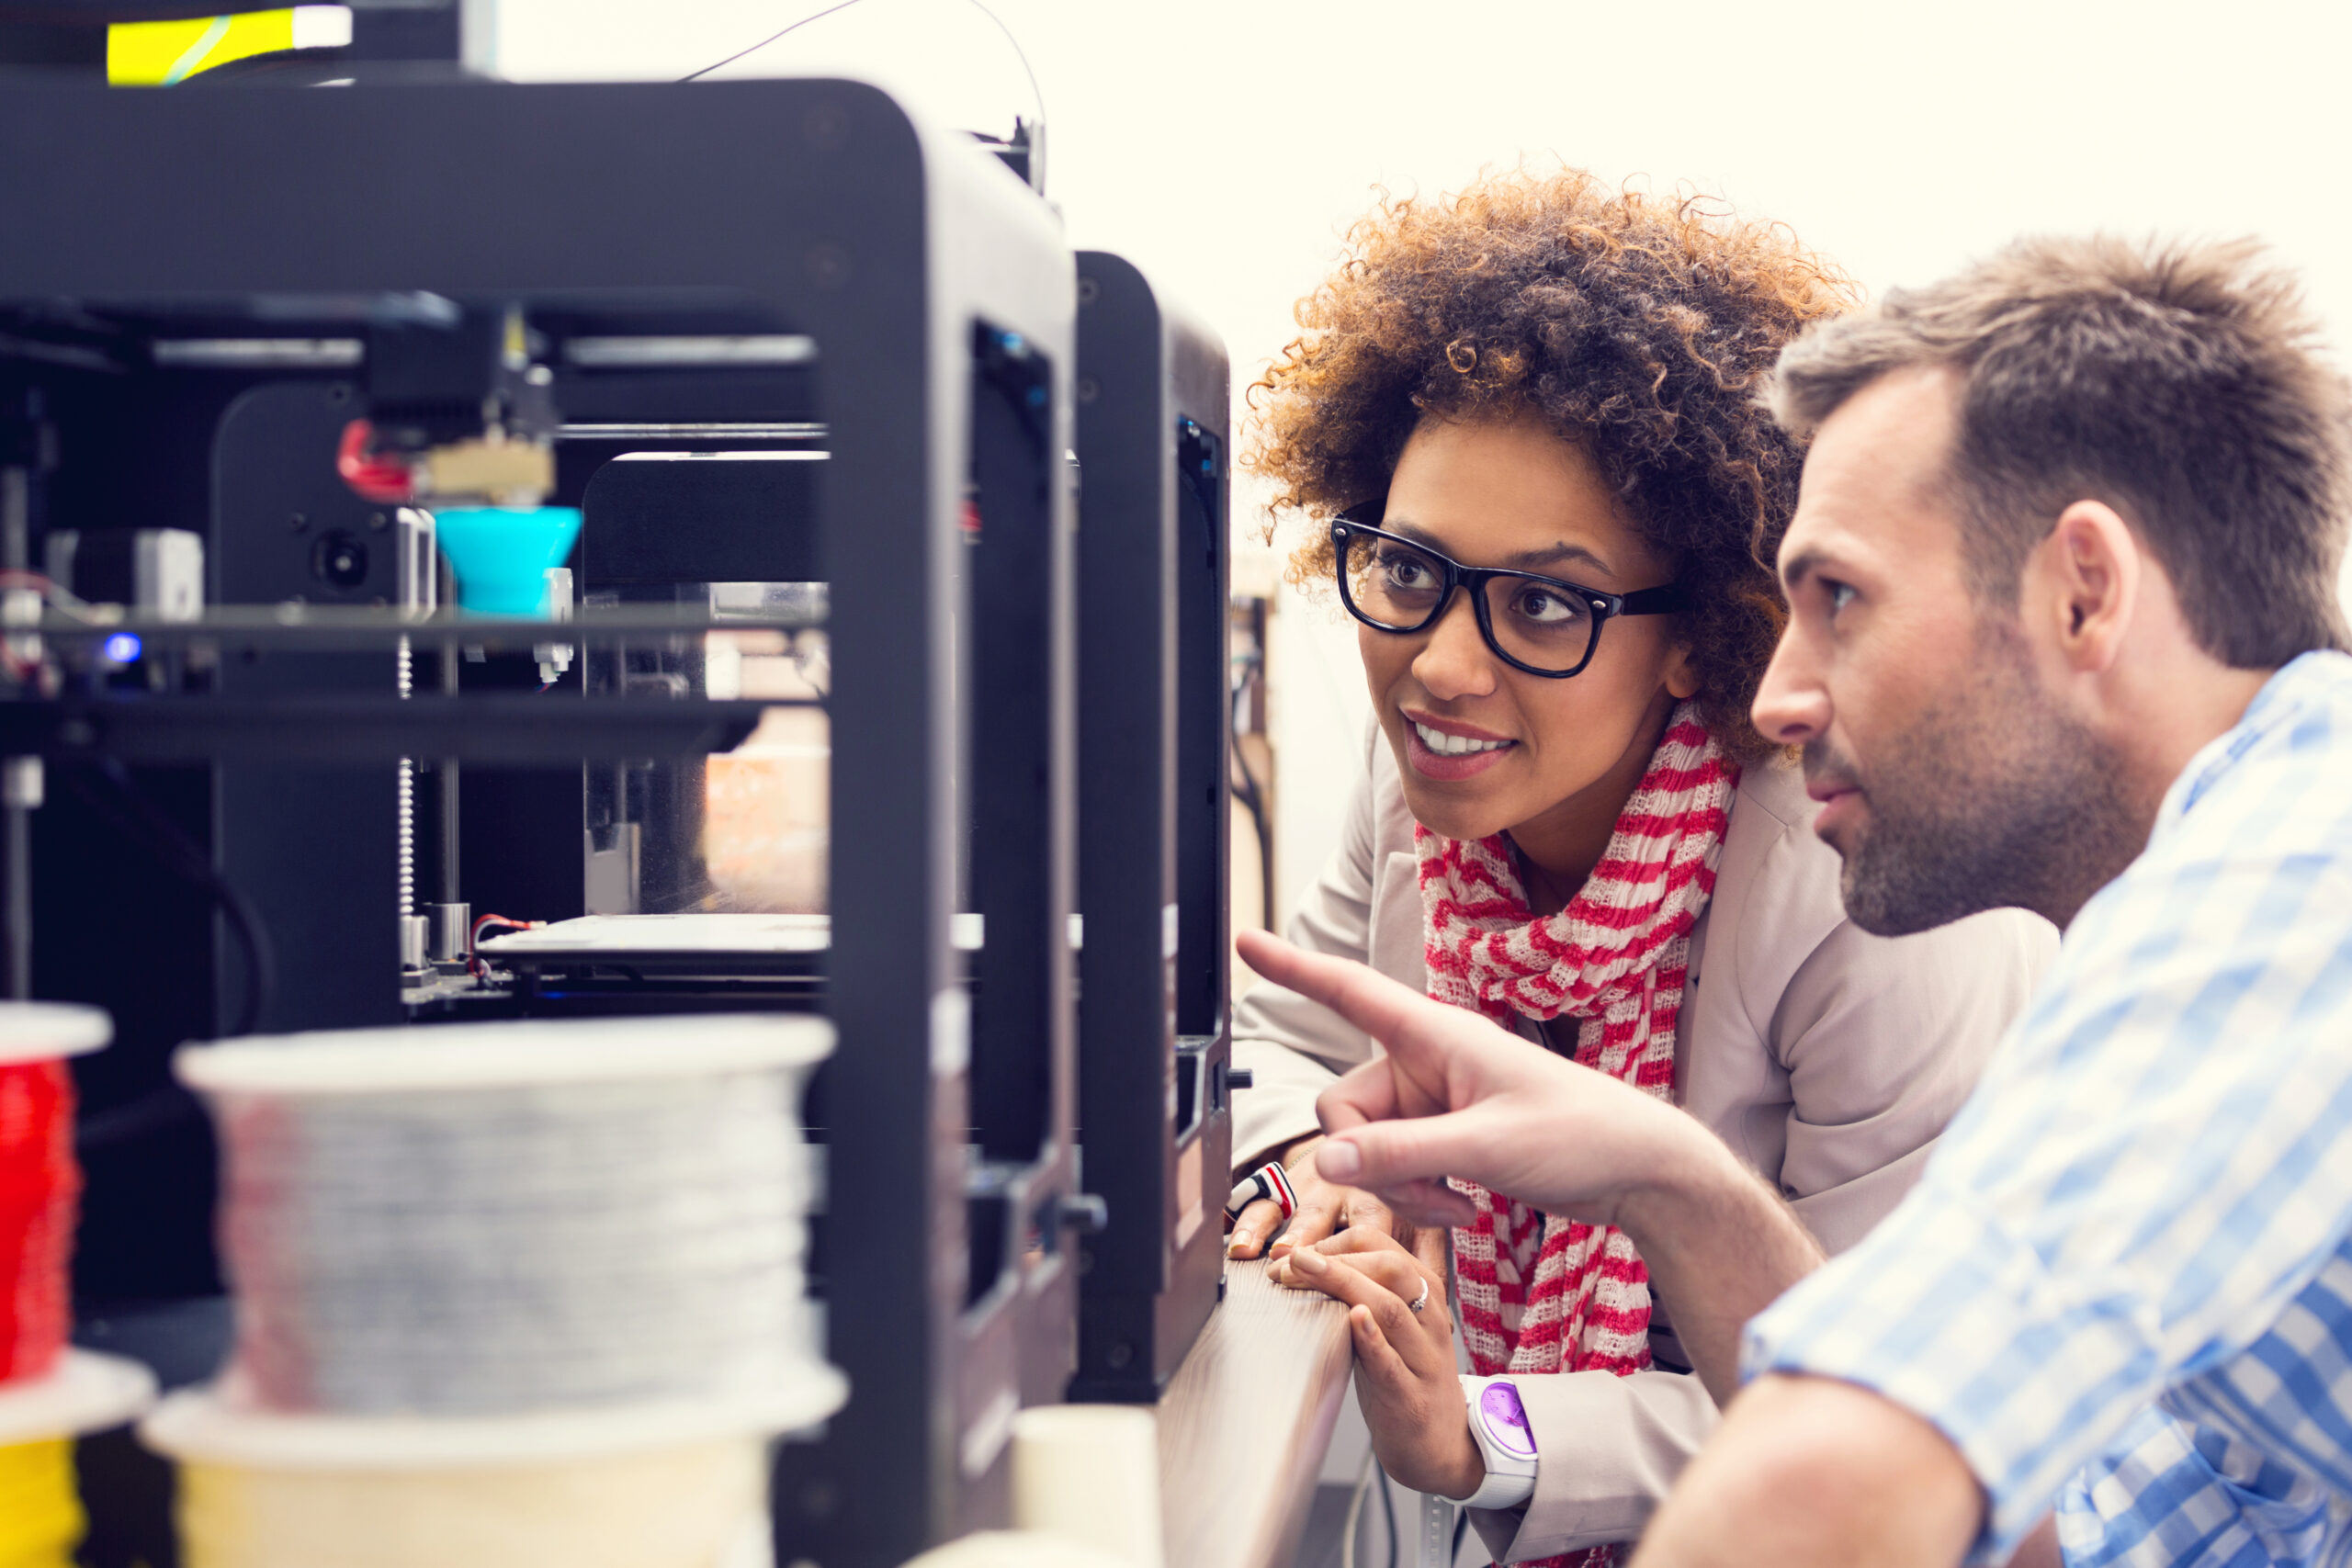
928	275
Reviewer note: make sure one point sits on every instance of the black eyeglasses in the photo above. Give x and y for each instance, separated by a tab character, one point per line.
1545	625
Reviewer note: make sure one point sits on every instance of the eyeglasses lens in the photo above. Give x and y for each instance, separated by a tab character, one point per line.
1541	625
1393	583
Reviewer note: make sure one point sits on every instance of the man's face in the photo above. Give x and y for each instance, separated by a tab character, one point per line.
1951	779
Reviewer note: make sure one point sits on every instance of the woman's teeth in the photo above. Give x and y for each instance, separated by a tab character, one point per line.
1452	745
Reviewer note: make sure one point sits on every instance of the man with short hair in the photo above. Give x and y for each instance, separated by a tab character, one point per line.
2064	620
2065	634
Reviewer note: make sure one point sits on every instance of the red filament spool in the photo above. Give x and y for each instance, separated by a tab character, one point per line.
40	1189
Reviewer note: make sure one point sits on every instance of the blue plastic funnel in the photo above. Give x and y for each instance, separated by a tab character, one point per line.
500	555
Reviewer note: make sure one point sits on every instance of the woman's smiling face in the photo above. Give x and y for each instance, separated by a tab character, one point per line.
1514	494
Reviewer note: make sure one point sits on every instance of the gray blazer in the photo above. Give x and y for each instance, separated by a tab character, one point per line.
1826	1058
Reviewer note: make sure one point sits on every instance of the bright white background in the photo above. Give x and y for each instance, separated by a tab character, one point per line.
1226	146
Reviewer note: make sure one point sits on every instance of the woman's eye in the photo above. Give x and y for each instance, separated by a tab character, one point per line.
1840	595
1405	572
1544	607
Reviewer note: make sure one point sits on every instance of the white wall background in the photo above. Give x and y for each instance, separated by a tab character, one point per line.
1225	145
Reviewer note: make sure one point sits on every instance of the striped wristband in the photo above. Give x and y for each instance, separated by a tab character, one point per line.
1269	1181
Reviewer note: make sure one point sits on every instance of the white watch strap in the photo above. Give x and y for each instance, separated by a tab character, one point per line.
1502	1491
1499	1426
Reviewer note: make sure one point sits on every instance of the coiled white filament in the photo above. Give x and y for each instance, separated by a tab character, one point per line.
702	1506
498	1248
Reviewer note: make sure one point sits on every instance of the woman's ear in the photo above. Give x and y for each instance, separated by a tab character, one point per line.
1681	673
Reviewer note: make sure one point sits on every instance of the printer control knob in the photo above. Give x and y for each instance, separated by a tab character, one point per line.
1084	1212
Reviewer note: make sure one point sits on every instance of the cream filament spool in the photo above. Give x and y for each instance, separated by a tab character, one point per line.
664	1489
670	1485
1089	1474
514	1216
681	1508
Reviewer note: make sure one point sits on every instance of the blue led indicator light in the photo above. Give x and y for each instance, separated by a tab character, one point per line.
122	649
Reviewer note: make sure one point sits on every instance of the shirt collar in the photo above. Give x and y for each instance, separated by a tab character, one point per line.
2281	698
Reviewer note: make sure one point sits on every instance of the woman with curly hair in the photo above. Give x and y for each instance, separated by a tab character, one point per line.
1522	424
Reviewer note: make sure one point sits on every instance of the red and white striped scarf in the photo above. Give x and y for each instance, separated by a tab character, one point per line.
1559	1295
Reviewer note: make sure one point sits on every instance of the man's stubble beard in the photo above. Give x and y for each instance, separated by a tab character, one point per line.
1992	799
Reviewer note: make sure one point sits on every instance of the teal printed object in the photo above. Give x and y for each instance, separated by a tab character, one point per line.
500	555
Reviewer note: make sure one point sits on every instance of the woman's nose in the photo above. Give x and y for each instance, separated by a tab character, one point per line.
1455	661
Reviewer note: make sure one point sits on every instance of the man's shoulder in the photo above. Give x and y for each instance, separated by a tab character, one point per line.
2301	716
2278	782
2247	875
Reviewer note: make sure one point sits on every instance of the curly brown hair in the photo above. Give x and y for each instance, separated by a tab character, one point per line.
1641	329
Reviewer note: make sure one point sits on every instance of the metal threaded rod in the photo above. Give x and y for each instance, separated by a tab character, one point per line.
448	791
22	787
17	919
402	666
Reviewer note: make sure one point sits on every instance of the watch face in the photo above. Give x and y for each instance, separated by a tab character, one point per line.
1506	1420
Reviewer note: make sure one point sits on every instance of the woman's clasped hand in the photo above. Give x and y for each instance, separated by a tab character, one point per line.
1404	1362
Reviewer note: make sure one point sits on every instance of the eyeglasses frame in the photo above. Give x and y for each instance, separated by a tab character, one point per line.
1664	600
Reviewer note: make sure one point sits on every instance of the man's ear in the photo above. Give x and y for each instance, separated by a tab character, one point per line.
2083	581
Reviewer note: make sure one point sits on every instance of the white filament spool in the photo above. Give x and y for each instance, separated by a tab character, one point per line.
516	1216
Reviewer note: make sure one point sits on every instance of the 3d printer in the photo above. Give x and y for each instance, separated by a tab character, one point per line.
509	290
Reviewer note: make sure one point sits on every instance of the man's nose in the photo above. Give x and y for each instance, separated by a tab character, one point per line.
1455	660
1793	704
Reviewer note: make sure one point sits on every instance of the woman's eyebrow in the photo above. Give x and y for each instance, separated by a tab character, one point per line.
1524	560
1556	555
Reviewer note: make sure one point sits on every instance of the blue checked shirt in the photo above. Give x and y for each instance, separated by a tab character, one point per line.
2124	1283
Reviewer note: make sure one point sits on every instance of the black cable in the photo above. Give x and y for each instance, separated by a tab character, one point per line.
1388	1508
1036	93
1253	800
150	1113
812	17
132	812
1461	1528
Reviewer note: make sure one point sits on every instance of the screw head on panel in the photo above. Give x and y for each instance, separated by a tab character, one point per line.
826	127
828	264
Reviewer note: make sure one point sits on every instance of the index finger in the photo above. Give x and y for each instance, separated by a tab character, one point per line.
1382	1007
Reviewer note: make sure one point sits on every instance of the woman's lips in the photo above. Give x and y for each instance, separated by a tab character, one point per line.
1447	768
